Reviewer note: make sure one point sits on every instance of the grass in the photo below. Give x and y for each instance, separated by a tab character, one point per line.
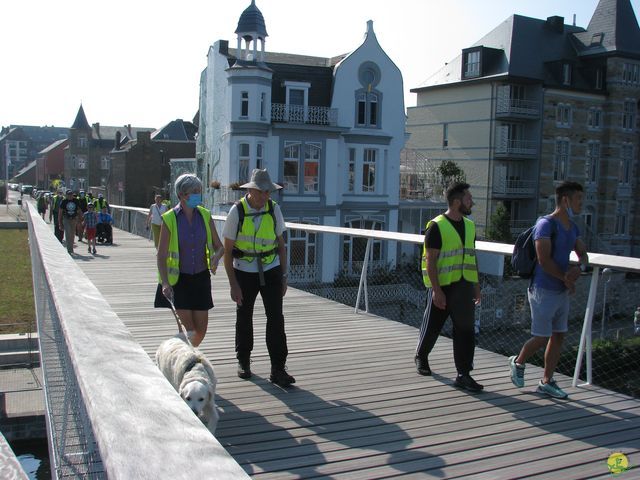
17	310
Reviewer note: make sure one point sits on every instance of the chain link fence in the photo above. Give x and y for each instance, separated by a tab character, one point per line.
394	290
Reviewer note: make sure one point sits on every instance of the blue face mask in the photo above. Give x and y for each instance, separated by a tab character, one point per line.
194	200
570	212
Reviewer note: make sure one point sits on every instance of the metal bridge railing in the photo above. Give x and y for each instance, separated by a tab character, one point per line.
110	413
378	271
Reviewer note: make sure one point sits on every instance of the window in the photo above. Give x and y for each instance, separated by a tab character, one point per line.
351	181
561	159
82	183
593	162
594	118
243	163
369	170
599	79
291	166
260	156
244	105
622	217
104	162
311	166
301	249
297	100
629	114
631	73
82	141
626	162
471	64
80	162
263	105
445	135
564	115
367	109
566	74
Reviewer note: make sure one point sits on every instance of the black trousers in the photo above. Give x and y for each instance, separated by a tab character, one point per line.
271	294
461	308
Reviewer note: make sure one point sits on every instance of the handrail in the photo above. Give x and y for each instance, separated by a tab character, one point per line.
116	383
596	260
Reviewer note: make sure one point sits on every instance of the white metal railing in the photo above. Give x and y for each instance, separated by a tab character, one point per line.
110	412
597	260
516	147
281	112
520	107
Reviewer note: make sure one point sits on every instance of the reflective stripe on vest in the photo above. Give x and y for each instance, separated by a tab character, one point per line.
173	255
455	261
254	243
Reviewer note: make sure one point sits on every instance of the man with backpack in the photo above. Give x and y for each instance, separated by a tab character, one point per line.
553	280
450	273
255	260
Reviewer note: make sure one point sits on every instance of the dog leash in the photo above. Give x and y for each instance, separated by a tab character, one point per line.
180	324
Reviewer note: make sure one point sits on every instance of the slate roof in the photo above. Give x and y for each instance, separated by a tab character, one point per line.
252	21
53	146
176	130
531	46
318	71
613	28
81	122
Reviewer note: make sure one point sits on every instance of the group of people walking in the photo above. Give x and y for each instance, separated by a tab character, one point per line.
253	249
80	215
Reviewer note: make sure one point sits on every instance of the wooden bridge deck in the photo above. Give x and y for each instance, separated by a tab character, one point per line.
359	410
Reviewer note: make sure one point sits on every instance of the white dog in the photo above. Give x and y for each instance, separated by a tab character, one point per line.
191	374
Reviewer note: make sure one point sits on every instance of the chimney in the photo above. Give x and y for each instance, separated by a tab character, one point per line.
117	142
96	127
223	47
144	138
555	24
128	127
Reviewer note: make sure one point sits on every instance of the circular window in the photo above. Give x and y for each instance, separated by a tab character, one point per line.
369	74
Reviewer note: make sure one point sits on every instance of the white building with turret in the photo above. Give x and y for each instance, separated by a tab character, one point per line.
329	130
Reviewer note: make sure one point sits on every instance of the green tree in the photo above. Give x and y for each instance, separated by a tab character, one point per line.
498	229
450	172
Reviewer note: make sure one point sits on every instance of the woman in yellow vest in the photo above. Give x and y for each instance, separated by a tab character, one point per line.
450	274
255	260
188	250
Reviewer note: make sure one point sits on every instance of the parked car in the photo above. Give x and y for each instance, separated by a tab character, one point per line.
26	189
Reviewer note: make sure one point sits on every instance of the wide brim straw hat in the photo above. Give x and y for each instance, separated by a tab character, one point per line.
260	180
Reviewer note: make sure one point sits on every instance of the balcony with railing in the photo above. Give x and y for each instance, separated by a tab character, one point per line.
300	114
516	108
516	148
513	188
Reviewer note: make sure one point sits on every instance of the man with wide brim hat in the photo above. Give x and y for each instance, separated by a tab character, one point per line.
260	180
255	259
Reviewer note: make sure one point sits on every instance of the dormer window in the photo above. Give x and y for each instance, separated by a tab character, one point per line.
471	63
297	99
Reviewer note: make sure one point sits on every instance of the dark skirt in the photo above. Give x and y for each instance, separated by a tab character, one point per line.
192	292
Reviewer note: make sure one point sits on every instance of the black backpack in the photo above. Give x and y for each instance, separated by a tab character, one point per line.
523	259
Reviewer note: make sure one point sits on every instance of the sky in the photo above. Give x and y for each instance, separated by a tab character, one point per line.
139	62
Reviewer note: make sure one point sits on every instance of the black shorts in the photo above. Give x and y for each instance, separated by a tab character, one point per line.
192	292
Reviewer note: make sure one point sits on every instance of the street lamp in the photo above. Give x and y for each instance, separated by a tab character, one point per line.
606	275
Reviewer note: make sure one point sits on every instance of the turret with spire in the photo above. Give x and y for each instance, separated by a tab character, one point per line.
251	28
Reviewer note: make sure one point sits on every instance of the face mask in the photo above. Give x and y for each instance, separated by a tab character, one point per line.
570	212
194	200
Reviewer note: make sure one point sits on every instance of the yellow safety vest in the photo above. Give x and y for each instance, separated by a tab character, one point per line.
173	257
261	243
455	260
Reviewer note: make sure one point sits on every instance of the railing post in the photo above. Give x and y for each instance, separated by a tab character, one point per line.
585	338
363	279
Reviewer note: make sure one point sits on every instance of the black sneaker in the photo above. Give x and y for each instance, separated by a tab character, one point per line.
422	366
244	369
467	383
279	376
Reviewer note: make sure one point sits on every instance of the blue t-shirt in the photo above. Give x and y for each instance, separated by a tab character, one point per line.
564	242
